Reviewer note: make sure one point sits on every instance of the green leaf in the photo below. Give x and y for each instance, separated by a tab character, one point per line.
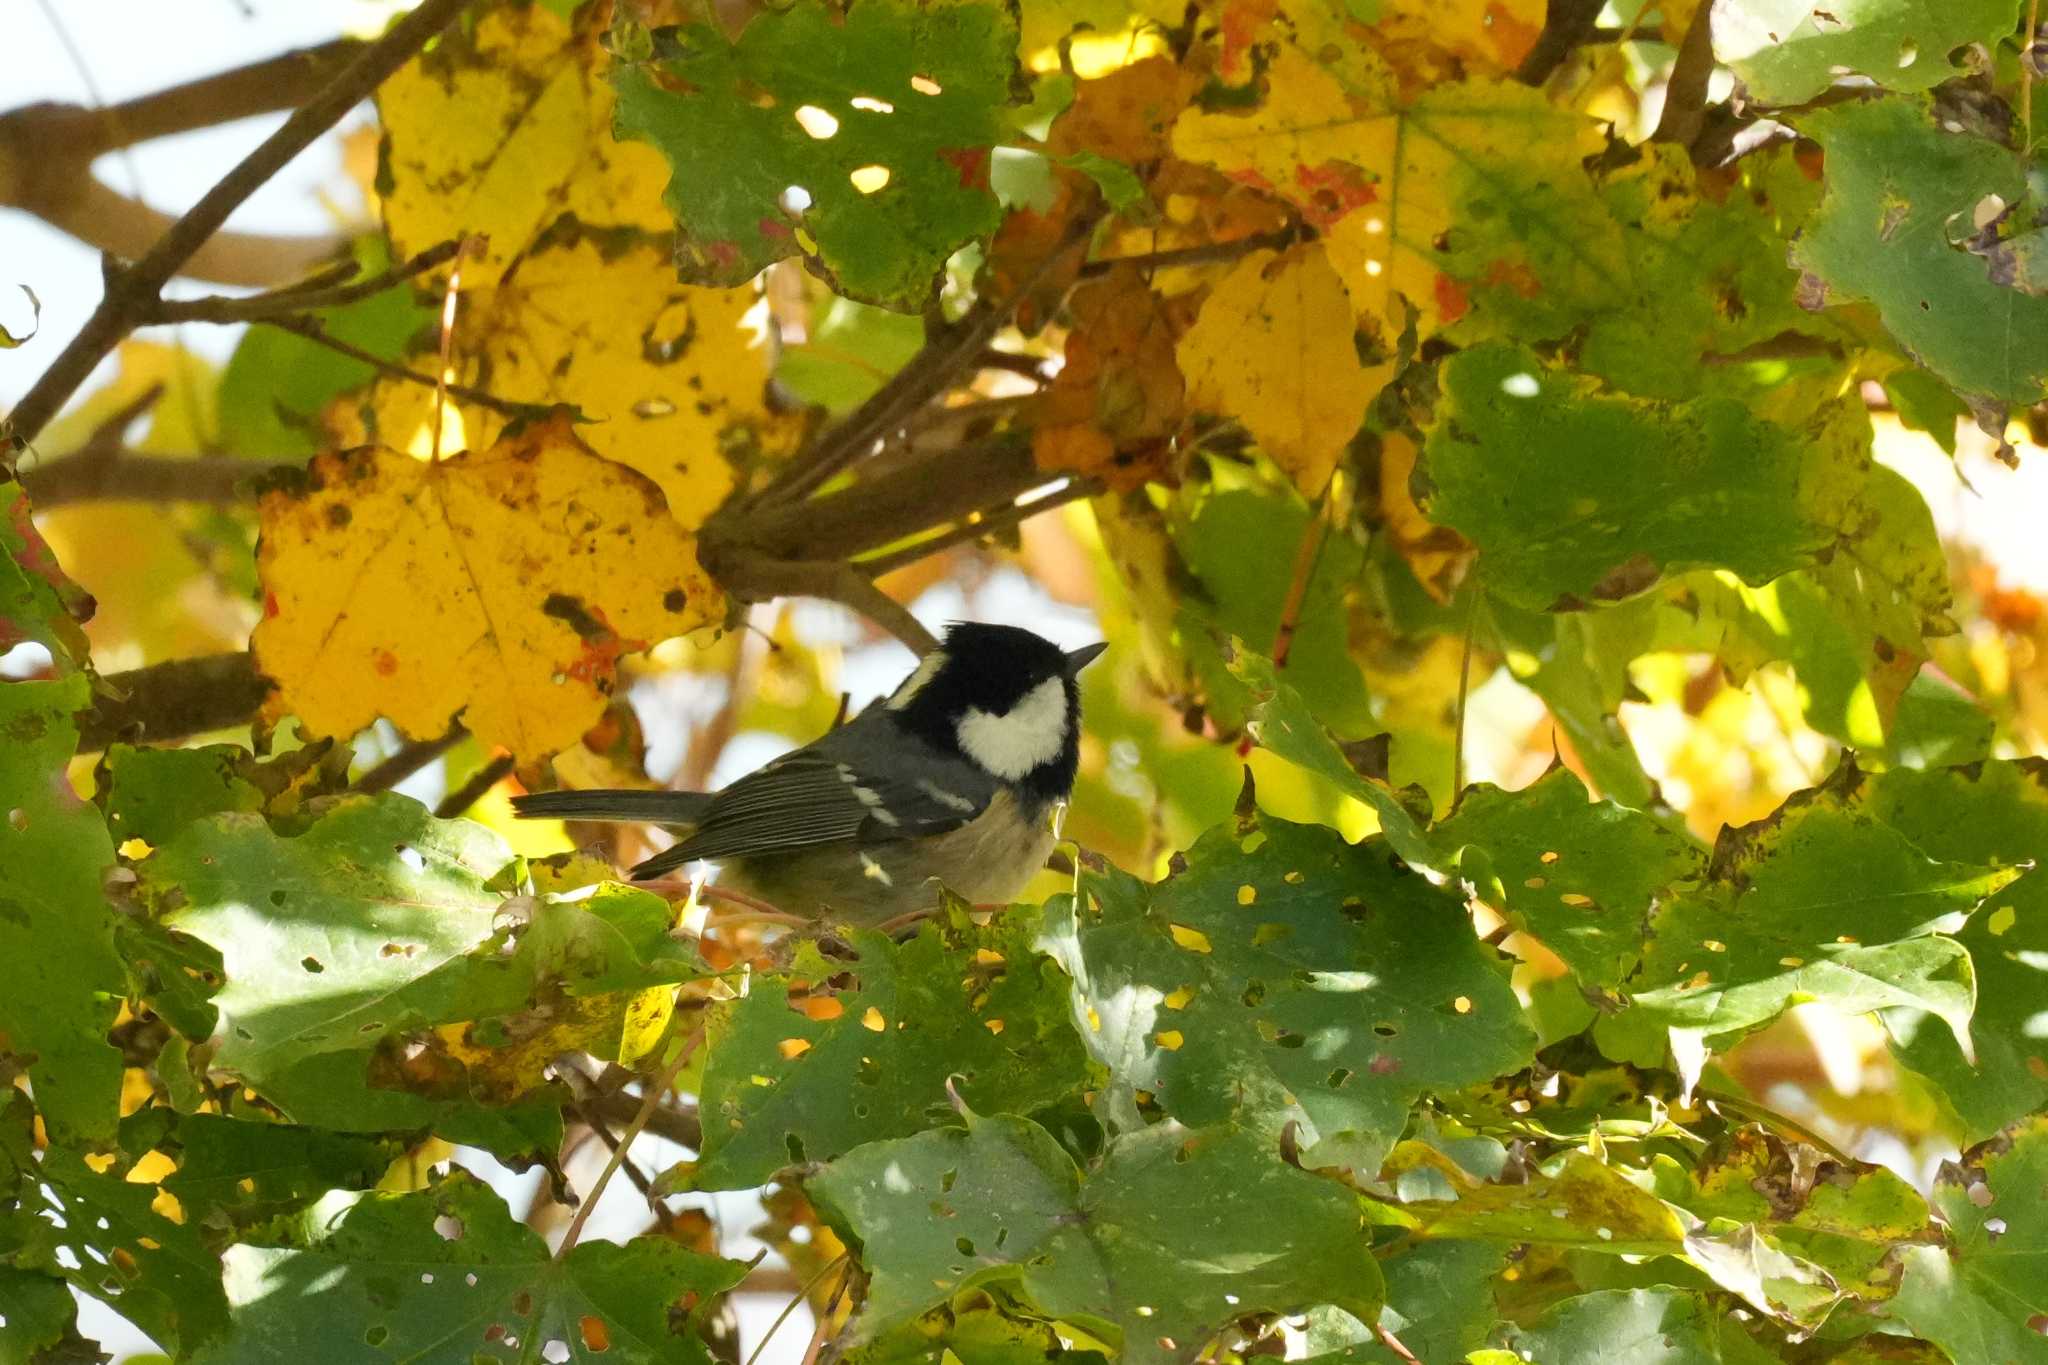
1440	1303
1284	723
1583	877
1574	496
848	355
1282	976
1984	1298
151	794
278	384
1995	814
447	1275
1819	901
1788	51
108	1236
59	977
978	1336
36	1312
1623	1327
734	121
1582	1203
979	1005
1002	1205
254	1169
1926	404
1234	545
322	933
1896	185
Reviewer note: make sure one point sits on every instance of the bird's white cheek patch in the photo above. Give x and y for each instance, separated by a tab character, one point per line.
1028	734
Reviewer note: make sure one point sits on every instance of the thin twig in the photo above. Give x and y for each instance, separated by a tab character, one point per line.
1305	556
411	756
132	290
985	524
320	292
311	330
648	1105
472	791
1207	254
1393	1343
1464	694
802	1295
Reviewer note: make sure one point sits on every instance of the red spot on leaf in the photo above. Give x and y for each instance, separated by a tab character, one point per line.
270	607
1383	1065
1450	299
1516	276
385	662
1242	21
1251	179
1332	190
971	163
773	227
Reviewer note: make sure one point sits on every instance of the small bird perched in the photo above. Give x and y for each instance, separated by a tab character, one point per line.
954	775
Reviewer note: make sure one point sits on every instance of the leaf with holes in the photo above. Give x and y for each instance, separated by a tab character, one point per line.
859	140
1985	1297
1002	1206
1281	977
447	1275
1574	496
59	976
1901	194
1582	876
1994	814
500	585
866	1048
503	129
118	1240
1788	51
673	379
1819	901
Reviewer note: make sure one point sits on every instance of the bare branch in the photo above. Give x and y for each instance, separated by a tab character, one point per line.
1685	93
321	292
1207	254
409	758
170	701
472	791
125	476
1567	25
985	524
309	327
132	290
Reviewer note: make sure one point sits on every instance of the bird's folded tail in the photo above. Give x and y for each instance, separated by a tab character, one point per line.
644	807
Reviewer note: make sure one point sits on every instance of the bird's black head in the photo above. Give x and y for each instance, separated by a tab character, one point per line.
1003	698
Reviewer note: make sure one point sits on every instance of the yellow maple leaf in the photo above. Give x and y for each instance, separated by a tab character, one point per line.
1272	347
1386	178
673	378
501	585
504	132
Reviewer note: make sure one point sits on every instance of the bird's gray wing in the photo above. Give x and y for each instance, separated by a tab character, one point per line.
867	782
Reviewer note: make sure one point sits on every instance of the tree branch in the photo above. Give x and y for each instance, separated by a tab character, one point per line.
170	701
985	524
309	327
47	151
1207	254
132	290
323	291
1569	24
120	475
1685	93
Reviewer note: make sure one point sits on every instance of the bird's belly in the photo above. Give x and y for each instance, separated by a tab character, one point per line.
987	861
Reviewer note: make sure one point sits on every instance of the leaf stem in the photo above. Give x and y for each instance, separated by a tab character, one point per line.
1464	695
325	290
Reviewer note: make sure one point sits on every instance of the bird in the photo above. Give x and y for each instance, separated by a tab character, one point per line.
954	776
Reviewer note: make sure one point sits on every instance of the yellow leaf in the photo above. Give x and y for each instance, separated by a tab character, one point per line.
502	585
1390	180
674	378
1272	348
503	133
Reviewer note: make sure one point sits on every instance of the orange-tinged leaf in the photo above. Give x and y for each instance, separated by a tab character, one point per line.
1389	179
1273	349
501	585
1120	395
1127	115
503	133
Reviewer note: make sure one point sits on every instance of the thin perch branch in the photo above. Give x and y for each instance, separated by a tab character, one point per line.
322	292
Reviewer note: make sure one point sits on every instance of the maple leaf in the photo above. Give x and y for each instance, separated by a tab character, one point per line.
1273	347
1120	394
501	585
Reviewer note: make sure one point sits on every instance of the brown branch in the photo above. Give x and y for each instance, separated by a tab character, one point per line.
320	292
47	151
132	290
1685	93
169	701
679	1124
472	791
310	328
1207	254
120	475
985	524
1569	24
409	758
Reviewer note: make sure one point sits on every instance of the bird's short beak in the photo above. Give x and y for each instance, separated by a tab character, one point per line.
1087	654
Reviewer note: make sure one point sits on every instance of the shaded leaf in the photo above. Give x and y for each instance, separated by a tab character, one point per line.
1788	51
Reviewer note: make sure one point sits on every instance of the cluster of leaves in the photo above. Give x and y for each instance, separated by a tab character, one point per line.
1373	343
